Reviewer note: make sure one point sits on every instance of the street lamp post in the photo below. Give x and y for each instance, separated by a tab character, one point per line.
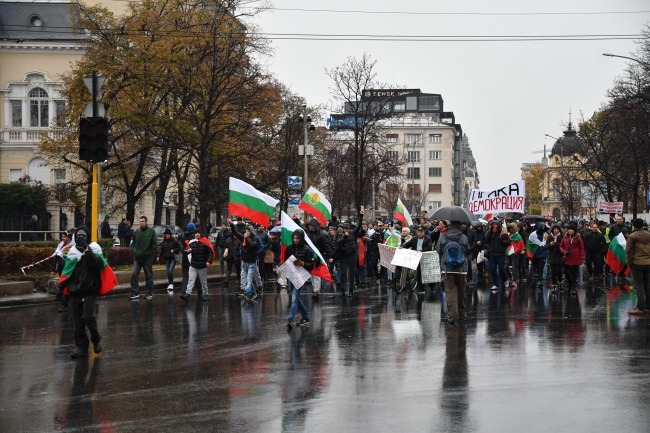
306	121
628	58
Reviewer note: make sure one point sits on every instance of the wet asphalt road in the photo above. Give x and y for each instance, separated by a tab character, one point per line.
374	363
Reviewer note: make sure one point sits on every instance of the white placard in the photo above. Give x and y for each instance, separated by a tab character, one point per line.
296	274
508	198
406	258
430	267
386	254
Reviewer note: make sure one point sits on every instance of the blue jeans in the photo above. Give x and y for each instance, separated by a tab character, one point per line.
498	270
248	269
170	264
296	303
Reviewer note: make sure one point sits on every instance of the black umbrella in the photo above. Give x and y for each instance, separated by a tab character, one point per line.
454	213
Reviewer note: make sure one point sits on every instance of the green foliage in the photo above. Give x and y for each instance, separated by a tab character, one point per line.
19	198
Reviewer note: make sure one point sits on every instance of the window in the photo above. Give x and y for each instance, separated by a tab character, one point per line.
433	205
15	174
435	171
16	113
413	139
60	108
411	103
392	189
392	155
435	187
38	108
429	103
435	154
413	156
413	173
59	175
392	138
399	106
435	138
410	188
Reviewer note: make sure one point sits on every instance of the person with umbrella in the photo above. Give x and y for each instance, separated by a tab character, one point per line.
452	248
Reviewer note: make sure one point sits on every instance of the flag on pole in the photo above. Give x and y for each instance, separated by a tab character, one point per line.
616	255
109	280
402	214
320	265
247	202
316	204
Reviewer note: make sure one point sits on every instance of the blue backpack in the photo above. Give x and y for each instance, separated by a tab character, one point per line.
454	253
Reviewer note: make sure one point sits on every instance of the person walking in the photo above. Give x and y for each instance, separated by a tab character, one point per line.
123	232
573	251
83	279
145	245
637	253
319	239
347	248
61	251
555	257
105	228
496	244
33	227
169	249
232	255
453	266
305	258
248	256
200	254
220	246
594	245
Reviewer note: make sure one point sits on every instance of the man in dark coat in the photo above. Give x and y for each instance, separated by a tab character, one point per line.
319	239
347	249
594	243
305	258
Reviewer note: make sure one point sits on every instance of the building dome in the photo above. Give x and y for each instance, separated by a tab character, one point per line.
569	144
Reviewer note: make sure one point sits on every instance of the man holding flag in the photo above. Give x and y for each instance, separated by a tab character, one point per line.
402	214
304	258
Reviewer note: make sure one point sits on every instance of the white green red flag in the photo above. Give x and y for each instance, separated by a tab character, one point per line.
402	214
516	245
247	202
616	255
316	204
109	280
288	227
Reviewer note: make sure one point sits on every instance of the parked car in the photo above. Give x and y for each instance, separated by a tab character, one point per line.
177	232
214	232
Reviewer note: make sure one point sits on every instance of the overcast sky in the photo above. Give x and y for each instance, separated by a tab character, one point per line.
506	95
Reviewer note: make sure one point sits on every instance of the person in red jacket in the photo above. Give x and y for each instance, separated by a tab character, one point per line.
573	251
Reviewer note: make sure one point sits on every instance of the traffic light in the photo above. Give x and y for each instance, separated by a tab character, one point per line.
93	139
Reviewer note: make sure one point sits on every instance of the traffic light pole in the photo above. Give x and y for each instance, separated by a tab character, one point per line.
95	189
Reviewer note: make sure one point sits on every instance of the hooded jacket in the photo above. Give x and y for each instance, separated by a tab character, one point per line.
554	253
454	234
496	243
301	251
319	238
248	244
637	249
347	245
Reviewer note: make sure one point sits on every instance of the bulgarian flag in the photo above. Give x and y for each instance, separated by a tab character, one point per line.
288	227
402	214
316	204
533	244
109	280
247	202
616	255
517	245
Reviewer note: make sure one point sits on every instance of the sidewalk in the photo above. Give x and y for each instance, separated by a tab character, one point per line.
21	293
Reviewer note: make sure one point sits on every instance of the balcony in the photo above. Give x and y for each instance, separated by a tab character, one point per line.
28	136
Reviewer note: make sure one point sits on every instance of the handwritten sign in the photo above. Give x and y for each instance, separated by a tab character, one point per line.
386	254
509	198
406	258
296	274
430	267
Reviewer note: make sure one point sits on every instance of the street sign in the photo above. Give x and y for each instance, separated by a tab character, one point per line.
88	111
294	182
89	84
648	197
310	150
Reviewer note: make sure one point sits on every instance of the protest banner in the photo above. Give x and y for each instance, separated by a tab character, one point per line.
386	254
509	198
610	207
406	258
430	267
296	274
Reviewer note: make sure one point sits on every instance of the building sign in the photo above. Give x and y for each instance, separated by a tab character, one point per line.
509	198
388	93
294	182
610	207
294	199
344	122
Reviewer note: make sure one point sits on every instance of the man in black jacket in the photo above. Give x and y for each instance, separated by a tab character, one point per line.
319	239
200	255
304	258
220	245
248	257
594	242
347	249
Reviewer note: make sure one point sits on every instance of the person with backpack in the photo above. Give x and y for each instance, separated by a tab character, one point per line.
452	247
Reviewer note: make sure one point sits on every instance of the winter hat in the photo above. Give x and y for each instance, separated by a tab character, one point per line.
168	231
83	231
406	231
573	226
638	223
191	227
107	217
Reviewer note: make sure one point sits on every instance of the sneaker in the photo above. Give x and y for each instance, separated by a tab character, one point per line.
78	353
97	347
636	312
148	297
254	297
494	288
315	296
63	309
170	288
303	322
185	297
204	298
134	297
289	326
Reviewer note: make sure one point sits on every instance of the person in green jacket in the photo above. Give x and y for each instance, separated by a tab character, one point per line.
144	245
